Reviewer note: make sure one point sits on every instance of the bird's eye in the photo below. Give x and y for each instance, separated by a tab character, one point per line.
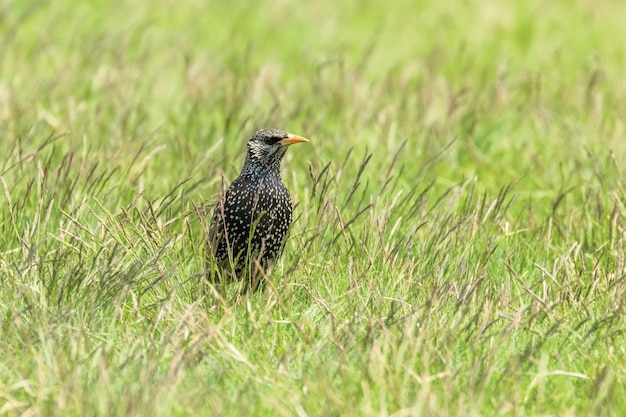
275	139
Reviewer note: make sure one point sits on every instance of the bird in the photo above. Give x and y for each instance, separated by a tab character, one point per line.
249	225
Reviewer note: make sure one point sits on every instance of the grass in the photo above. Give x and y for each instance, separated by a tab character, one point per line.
458	246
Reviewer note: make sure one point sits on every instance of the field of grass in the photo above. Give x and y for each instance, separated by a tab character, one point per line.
459	243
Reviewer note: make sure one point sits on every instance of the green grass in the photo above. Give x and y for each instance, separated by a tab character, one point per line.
459	244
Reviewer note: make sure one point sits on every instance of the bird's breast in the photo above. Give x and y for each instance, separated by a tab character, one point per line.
254	196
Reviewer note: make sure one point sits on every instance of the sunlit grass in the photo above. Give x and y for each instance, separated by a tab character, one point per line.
458	247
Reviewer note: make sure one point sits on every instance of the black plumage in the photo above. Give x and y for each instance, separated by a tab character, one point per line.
250	222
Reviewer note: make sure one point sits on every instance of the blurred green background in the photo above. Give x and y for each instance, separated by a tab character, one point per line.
458	246
532	78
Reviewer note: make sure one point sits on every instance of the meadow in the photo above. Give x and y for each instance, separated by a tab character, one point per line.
458	246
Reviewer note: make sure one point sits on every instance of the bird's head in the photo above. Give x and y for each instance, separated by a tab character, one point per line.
267	147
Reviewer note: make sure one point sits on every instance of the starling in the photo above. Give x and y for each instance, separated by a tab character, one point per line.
250	222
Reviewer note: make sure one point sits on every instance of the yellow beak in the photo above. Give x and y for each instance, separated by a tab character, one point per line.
291	139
